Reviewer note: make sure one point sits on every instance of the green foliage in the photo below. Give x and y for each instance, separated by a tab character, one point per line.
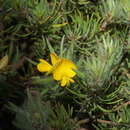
94	35
113	13
36	114
117	121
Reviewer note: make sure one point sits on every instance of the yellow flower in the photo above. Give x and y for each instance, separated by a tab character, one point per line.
61	68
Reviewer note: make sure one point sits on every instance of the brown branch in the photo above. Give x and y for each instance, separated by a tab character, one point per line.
122	105
107	122
98	120
83	121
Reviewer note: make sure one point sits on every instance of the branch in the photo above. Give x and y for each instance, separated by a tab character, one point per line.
98	120
122	105
107	122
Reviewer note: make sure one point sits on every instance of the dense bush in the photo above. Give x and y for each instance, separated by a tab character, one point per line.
88	84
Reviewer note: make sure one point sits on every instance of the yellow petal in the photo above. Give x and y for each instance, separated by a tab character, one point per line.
57	74
64	81
70	73
63	69
44	66
69	64
54	58
66	66
71	80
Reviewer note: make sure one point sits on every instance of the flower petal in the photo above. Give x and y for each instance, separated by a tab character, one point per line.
44	66
69	64
57	74
54	58
64	81
66	66
63	69
71	80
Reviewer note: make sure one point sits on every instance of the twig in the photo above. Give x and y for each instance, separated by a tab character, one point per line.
122	105
98	120
107	122
83	121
